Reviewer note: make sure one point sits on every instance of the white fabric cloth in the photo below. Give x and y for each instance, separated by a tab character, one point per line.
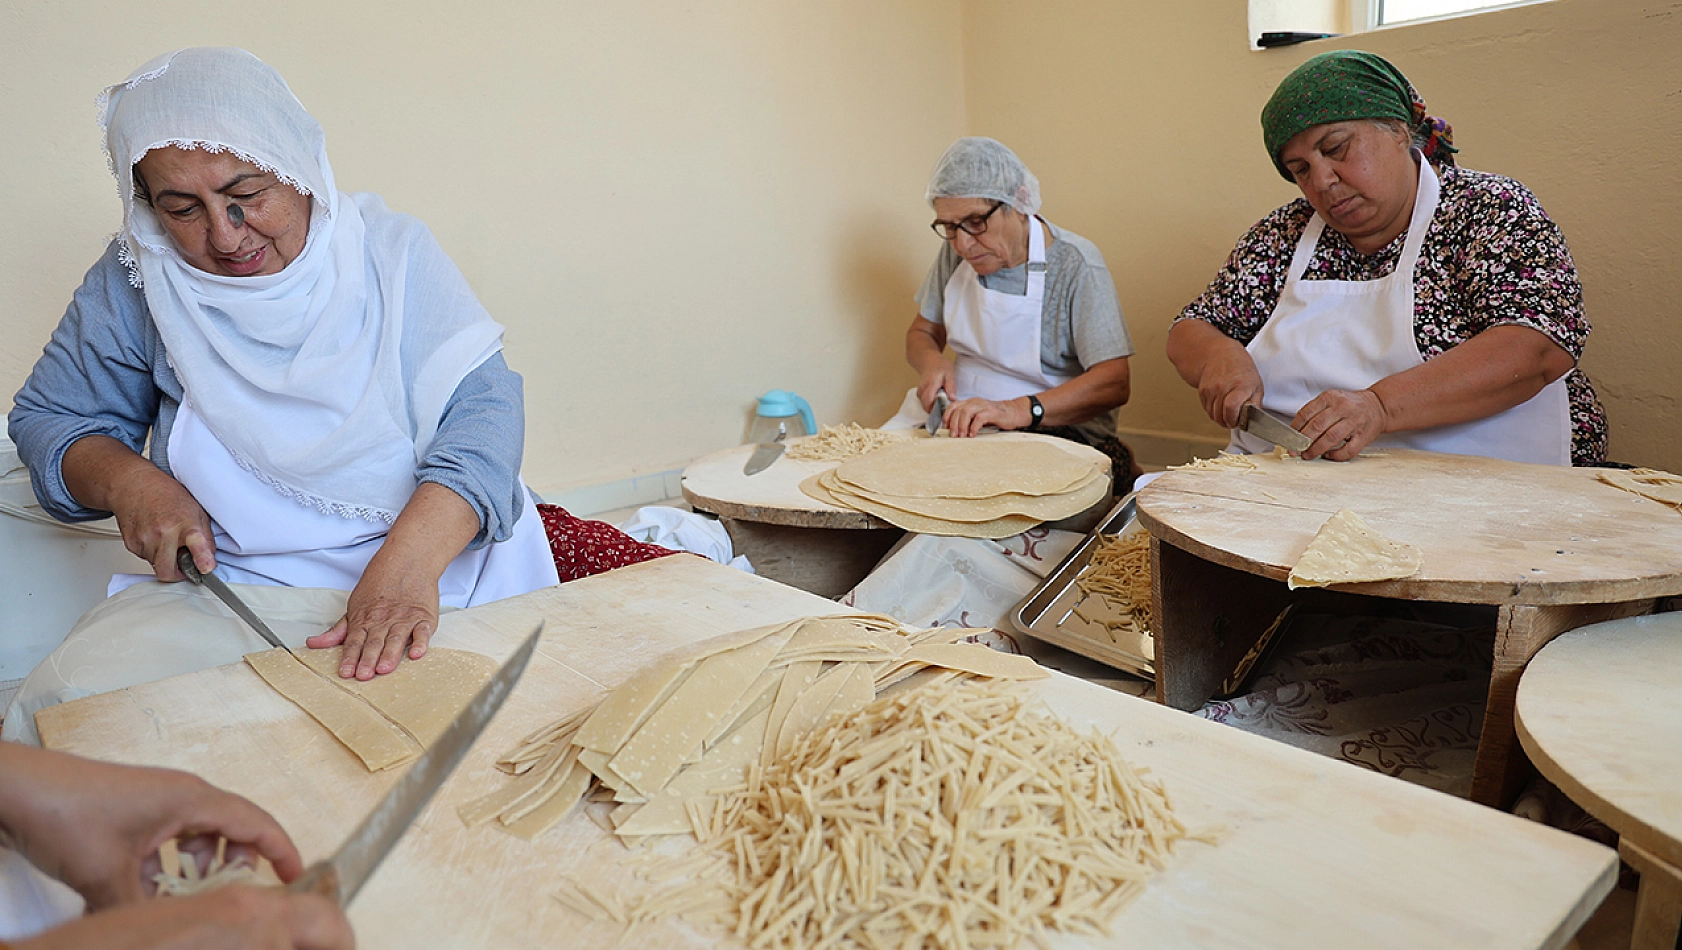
30	901
326	380
1349	334
994	336
682	530
262	538
153	631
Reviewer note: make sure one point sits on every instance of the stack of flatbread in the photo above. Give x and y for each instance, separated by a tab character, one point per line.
990	487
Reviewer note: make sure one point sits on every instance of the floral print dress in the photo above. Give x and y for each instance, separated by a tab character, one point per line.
1491	257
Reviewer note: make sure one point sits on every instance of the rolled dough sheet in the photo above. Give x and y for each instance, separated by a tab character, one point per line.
422	696
373	738
994	528
969	468
1050	507
1662	487
389	719
1348	551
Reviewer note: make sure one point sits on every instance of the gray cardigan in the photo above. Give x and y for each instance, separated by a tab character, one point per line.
105	372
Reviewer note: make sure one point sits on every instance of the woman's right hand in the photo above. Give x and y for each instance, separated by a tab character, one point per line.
158	517
941	378
1219	366
156	514
1229	381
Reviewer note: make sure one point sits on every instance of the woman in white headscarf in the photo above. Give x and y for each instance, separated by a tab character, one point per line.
325	399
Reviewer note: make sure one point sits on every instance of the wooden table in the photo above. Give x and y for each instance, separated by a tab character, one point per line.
791	537
1312	852
1600	712
786	534
1553	547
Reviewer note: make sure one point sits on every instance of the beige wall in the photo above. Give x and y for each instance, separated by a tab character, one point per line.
1141	121
672	207
676	207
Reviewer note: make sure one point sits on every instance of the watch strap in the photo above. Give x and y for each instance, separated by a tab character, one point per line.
1036	412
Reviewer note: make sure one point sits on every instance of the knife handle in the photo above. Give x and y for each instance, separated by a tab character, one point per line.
184	563
320	878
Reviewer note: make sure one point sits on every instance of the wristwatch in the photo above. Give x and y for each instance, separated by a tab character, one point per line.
1036	413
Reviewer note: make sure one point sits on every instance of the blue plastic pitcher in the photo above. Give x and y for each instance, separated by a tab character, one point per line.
775	409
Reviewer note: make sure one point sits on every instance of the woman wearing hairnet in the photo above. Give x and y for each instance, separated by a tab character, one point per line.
1028	309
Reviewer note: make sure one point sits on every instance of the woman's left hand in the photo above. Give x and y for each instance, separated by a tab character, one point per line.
966	417
391	607
395	605
1341	423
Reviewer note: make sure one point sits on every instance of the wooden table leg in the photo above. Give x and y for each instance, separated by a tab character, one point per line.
1520	631
1658	905
1207	616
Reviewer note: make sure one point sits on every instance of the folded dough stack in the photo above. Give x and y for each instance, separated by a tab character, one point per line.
991	487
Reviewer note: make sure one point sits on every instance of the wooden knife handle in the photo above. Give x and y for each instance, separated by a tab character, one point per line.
320	878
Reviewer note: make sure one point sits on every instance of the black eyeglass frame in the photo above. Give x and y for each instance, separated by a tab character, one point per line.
974	225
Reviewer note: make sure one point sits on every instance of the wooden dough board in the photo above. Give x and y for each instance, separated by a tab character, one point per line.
1492	532
716	484
1313	852
1600	712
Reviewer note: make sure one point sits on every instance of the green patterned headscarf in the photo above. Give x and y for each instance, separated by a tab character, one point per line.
1343	85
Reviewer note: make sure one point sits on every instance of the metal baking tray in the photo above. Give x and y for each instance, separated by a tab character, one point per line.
1048	613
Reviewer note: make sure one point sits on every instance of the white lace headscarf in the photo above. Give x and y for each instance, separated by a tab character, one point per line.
327	380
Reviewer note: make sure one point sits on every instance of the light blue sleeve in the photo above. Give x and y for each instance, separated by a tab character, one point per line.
480	442
95	377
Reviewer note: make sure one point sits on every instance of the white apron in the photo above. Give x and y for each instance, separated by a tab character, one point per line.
1349	334
264	538
994	336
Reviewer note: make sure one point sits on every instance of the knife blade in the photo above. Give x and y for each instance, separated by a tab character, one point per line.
224	593
1263	424
937	412
342	876
765	453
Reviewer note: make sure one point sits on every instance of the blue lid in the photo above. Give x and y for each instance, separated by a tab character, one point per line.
779	403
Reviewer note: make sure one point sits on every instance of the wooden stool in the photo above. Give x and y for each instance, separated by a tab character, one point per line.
1600	713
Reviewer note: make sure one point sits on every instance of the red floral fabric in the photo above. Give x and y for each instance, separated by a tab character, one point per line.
582	548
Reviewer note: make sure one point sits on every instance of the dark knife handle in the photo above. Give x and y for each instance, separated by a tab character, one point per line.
184	562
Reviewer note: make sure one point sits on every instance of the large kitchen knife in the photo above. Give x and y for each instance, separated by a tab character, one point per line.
937	412
342	876
224	593
765	453
1263	424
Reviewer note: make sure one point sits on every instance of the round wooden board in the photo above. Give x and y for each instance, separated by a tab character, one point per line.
1600	712
715	483
1491	531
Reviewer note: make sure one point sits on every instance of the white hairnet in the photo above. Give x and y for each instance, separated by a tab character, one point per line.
980	167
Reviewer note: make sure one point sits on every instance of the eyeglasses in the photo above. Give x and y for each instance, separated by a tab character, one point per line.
973	225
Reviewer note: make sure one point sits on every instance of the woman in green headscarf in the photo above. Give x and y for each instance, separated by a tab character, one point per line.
1402	300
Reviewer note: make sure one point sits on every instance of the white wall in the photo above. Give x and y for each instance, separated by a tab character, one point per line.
672	207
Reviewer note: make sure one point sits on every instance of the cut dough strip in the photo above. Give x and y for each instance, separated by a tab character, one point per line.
373	738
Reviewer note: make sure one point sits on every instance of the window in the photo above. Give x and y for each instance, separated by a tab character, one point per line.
1311	19
1400	11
